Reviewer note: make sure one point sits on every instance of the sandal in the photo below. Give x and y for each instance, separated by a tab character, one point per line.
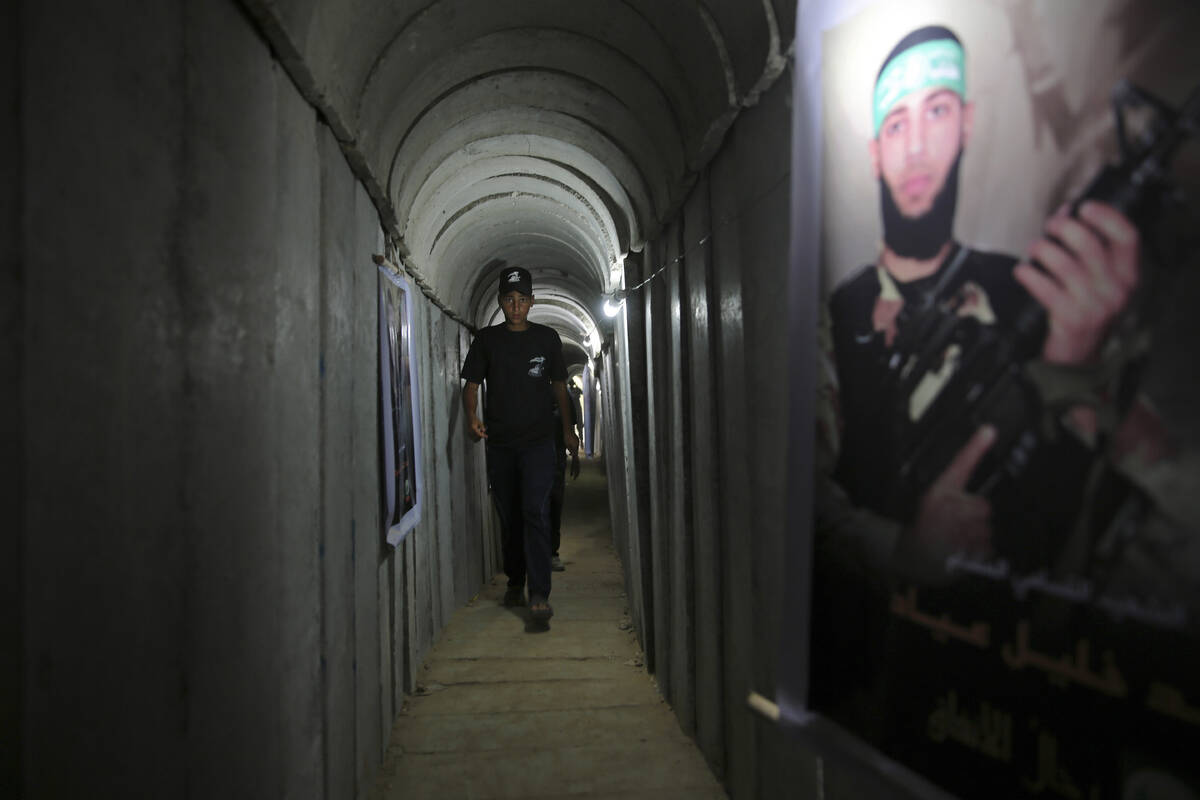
539	609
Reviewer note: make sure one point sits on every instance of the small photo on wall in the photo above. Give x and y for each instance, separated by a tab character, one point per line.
399	403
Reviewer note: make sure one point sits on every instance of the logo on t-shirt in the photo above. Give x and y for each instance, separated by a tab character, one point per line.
537	366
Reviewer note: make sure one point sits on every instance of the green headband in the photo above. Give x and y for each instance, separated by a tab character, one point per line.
936	63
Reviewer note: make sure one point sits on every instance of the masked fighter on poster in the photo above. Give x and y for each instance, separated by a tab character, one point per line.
1089	264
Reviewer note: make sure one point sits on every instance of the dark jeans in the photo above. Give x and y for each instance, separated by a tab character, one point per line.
522	477
556	499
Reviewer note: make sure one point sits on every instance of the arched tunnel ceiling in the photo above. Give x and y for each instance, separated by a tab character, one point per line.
557	135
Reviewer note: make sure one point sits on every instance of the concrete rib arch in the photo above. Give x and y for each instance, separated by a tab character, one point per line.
681	64
573	133
393	110
509	102
595	117
553	158
515	188
537	219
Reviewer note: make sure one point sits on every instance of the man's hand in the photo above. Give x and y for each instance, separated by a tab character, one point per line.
574	465
1091	270
572	442
948	518
475	427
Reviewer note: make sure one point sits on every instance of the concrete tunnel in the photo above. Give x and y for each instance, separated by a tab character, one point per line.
198	598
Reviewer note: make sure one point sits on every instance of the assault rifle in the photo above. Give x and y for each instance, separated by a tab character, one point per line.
995	377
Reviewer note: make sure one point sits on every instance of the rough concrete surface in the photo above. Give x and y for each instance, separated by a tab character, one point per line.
506	708
189	283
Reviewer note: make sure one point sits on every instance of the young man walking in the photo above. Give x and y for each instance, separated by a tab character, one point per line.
525	374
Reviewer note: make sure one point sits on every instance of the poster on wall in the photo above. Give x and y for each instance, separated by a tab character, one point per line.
1006	525
398	401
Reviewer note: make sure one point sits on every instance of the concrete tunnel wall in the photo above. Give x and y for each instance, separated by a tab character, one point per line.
12	440
198	585
697	473
208	608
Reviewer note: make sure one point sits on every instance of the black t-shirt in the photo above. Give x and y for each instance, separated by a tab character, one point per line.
518	367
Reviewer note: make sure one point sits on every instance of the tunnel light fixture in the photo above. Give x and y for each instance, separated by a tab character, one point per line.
614	303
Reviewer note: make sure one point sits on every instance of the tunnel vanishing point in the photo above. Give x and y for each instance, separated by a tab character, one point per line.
199	597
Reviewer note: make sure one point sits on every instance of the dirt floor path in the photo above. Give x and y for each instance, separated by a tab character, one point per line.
505	708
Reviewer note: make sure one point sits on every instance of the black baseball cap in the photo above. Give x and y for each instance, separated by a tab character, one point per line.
516	278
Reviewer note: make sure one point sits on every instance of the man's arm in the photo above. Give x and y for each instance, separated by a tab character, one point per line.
564	413
475	427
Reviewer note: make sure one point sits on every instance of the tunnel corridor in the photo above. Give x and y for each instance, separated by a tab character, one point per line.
505	707
203	203
250	550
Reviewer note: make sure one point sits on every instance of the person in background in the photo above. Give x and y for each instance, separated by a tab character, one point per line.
560	472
